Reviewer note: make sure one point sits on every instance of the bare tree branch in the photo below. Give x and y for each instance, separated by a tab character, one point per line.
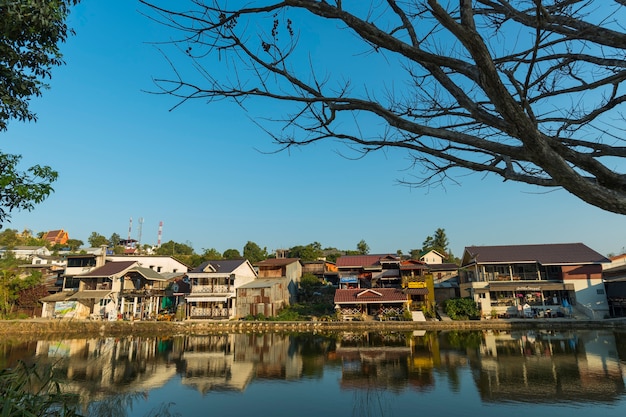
529	90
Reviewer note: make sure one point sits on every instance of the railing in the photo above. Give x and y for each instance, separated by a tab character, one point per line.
210	312
211	289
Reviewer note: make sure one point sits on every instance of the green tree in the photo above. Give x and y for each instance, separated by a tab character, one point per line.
96	240
362	248
458	96
13	282
9	238
461	308
74	244
174	248
231	254
114	240
21	190
253	252
30	34
310	252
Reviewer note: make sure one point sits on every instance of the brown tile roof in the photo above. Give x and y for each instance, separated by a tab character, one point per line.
545	254
109	269
369	295
360	260
277	261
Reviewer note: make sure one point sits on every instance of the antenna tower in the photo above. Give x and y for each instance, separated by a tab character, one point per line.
160	233
139	232
130	227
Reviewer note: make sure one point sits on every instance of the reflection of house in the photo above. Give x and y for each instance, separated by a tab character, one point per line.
266	296
290	268
556	366
214	288
546	277
208	364
614	277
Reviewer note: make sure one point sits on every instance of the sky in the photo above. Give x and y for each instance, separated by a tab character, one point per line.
210	173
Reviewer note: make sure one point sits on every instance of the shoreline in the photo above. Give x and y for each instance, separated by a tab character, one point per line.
78	328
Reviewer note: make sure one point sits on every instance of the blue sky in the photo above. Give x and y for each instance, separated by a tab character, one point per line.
207	171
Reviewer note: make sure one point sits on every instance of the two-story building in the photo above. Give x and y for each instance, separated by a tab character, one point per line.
214	288
534	280
289	268
397	286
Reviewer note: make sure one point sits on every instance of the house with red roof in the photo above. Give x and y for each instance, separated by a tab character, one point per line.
548	279
361	303
410	277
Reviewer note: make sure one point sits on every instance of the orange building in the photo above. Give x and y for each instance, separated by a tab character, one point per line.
56	236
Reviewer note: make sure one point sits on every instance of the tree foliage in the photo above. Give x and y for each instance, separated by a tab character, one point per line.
362	248
21	190
438	242
231	254
253	252
30	34
311	252
461	308
174	248
96	240
14	283
457	93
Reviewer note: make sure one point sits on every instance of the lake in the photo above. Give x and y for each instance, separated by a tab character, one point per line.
470	373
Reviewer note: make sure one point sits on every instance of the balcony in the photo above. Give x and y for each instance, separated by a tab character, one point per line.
210	312
211	289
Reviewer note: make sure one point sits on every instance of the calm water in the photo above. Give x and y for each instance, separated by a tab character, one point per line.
482	373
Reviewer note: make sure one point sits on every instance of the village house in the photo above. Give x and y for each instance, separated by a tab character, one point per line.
534	280
214	288
407	280
614	277
266	296
290	268
25	252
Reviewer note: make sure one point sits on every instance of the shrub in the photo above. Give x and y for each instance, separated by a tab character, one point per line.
461	308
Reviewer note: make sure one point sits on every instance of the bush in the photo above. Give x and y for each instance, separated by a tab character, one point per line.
461	308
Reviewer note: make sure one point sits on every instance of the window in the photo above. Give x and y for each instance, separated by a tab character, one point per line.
600	292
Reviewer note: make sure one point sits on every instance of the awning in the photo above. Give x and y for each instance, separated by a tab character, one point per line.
59	296
206	299
530	286
416	291
87	295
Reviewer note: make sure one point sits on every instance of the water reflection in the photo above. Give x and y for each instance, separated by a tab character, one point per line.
549	366
377	373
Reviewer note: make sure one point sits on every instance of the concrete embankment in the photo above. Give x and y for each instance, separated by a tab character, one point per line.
78	328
